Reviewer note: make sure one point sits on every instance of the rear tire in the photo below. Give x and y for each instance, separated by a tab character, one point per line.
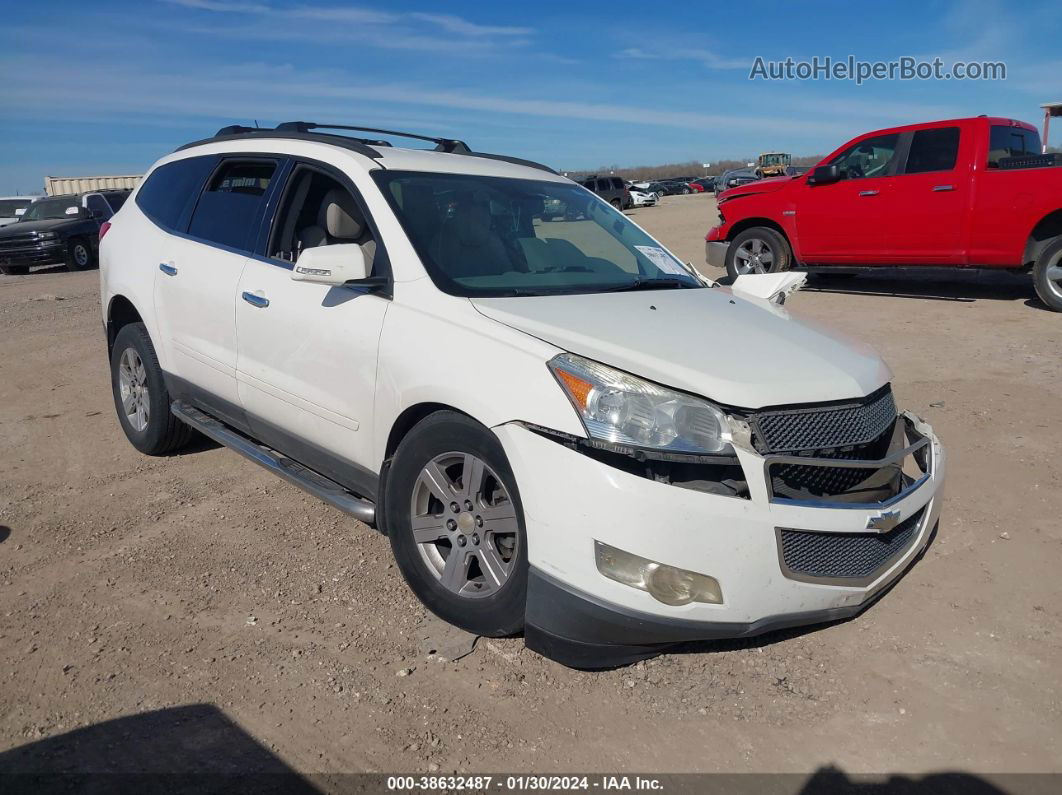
426	479
617	204
1047	276
14	270
140	395
79	256
759	249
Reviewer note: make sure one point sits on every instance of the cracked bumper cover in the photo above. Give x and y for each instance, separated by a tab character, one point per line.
578	617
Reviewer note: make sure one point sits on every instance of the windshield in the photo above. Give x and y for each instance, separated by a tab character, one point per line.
8	206
494	236
50	209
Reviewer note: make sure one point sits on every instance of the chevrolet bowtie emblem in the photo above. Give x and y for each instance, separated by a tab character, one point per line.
884	521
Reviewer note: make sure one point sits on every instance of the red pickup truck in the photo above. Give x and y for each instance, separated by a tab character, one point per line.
964	193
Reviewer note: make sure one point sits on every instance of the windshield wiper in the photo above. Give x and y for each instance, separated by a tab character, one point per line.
649	284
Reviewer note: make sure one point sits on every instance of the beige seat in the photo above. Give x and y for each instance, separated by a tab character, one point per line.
339	221
467	246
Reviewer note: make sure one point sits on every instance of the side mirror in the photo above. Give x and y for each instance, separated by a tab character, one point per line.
824	175
335	265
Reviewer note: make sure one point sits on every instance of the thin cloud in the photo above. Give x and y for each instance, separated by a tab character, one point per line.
450	24
455	24
234	93
706	57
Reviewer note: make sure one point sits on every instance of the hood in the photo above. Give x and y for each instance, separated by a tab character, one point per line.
769	185
710	342
48	225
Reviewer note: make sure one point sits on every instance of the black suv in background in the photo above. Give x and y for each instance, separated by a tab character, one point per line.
611	189
58	229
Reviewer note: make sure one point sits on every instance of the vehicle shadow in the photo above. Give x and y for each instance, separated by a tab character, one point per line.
5	533
834	781
931	285
194	748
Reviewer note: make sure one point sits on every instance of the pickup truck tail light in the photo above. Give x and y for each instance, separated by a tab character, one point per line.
104	228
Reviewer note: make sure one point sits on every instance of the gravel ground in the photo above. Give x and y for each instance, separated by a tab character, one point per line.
136	585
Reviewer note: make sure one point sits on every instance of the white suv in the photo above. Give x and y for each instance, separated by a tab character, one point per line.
546	418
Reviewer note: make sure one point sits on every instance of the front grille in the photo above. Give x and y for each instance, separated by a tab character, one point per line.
819	428
798	481
21	240
845	555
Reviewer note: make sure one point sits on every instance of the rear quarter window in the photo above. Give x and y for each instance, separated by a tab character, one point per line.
171	188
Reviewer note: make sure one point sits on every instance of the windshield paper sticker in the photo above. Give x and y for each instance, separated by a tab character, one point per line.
663	260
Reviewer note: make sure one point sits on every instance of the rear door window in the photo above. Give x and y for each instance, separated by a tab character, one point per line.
617	183
933	149
228	210
171	188
602	185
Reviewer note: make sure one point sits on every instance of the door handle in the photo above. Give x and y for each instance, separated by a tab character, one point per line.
167	268
868	193
256	300
938	188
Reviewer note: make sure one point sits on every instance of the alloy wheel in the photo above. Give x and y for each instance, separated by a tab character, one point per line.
133	388
465	526
754	256
1054	274
81	255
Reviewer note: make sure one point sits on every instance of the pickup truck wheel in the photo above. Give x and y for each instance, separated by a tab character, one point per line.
1047	276
14	270
758	250
140	395
456	525
79	255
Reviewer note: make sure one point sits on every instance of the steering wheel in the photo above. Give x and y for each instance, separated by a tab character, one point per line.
855	172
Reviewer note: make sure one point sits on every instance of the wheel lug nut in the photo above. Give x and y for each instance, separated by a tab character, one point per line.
461	541
468	505
451	525
475	539
479	521
454	507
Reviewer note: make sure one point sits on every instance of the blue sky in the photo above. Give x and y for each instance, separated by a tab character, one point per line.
108	87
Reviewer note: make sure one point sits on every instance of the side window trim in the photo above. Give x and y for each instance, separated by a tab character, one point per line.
381	260
279	161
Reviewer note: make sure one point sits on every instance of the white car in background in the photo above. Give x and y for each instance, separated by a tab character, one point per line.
643	198
12	207
561	428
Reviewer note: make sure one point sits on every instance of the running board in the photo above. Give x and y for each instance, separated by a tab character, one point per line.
279	464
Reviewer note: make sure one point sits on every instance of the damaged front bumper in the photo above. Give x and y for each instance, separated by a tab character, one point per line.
780	561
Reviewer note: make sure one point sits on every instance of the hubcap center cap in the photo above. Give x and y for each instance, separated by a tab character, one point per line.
466	523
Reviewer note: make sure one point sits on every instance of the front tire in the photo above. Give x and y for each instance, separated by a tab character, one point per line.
1047	276
758	250
140	395
79	256
456	525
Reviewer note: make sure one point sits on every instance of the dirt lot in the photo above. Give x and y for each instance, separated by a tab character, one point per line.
130	584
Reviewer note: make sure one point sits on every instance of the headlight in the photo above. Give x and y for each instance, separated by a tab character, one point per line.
47	235
622	409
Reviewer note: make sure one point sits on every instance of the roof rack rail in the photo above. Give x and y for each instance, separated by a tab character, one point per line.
305	131
451	145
